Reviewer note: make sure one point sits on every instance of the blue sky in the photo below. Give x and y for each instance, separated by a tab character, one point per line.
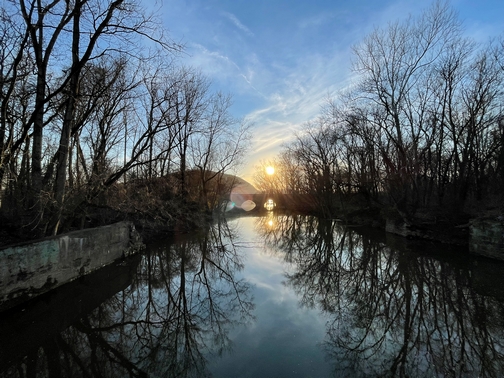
280	59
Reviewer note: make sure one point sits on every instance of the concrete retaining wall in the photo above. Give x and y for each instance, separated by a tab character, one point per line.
487	237
31	269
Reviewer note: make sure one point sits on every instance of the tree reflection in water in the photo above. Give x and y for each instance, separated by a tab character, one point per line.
178	311
392	312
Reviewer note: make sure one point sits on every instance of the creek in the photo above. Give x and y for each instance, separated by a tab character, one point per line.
271	296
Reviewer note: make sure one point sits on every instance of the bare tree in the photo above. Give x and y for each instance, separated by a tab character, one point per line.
218	147
423	126
61	38
318	152
191	104
14	68
395	65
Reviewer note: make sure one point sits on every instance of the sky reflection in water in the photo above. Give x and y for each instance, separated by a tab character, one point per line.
284	340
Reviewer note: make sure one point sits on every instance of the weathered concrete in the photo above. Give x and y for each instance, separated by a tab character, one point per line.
31	269
487	237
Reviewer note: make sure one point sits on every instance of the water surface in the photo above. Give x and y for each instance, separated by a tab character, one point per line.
273	296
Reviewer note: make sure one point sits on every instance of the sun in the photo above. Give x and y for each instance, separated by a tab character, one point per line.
270	170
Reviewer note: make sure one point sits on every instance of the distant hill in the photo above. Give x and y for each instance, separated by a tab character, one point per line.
245	186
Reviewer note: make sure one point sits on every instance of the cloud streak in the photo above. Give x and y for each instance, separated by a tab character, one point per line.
231	17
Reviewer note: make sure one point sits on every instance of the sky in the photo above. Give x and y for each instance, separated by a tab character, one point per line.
281	59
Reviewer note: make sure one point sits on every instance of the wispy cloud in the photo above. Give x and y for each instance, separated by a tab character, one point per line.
237	23
317	20
211	60
222	67
298	97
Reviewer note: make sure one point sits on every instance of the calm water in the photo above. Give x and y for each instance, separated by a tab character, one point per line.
277	296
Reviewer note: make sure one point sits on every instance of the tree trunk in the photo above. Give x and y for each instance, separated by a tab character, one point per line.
64	144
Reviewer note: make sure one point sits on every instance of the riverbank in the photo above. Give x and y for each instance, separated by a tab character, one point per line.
455	227
425	226
151	205
157	212
482	233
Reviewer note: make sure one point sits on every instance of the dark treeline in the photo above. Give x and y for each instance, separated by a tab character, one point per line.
420	132
92	96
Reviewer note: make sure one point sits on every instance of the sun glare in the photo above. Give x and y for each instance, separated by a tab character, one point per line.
270	170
